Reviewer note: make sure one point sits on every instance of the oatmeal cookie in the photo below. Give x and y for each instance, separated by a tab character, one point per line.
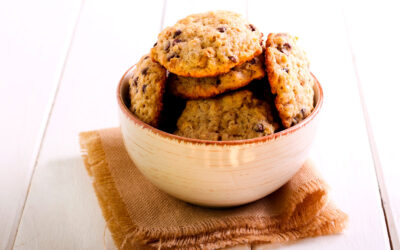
207	44
147	86
239	76
233	116
290	78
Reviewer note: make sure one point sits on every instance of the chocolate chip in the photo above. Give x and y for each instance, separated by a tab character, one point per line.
259	127
253	61
287	46
218	82
232	58
286	70
252	27
135	80
177	33
166	46
144	71
176	41
155	45
221	29
303	112
284	48
144	88
173	55
146	57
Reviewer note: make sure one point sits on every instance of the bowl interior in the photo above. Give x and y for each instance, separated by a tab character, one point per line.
124	103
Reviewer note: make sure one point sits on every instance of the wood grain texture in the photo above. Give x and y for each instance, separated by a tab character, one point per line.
380	86
341	149
62	210
33	48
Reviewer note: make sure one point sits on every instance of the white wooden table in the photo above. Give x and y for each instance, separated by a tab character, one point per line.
60	62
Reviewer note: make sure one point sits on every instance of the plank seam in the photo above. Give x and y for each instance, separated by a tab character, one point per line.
13	235
163	15
391	230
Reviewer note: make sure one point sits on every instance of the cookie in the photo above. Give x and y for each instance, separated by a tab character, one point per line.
207	44
147	86
239	76
290	78
233	116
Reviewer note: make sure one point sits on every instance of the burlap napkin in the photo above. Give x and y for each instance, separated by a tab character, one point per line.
140	216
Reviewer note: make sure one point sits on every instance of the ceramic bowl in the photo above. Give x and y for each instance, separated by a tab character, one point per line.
216	173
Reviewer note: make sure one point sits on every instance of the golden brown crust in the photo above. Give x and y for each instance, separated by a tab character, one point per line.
290	78
207	44
239	76
147	86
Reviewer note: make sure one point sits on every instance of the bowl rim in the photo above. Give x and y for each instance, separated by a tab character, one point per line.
125	110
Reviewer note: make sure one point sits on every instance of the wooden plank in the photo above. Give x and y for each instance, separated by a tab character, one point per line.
34	41
341	149
376	62
62	210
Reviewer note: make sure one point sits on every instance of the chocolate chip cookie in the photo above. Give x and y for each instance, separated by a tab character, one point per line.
234	116
207	44
239	76
290	78
147	86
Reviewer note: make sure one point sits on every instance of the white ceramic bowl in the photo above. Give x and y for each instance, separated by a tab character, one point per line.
211	173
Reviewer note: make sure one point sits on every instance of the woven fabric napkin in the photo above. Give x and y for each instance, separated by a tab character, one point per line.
140	216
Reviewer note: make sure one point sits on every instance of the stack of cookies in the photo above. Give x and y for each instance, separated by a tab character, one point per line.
210	76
